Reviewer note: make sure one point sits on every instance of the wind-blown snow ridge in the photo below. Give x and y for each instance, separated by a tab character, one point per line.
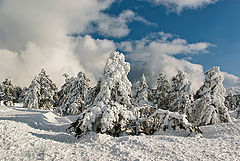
40	135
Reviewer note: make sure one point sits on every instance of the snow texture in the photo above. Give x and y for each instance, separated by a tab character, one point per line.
31	134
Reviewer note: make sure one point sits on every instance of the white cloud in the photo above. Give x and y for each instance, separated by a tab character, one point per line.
69	56
165	43
93	54
34	36
157	56
179	5
116	26
230	80
45	22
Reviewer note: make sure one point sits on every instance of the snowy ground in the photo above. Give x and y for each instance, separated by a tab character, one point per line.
41	135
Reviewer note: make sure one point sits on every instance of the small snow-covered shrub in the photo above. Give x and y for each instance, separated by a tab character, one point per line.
164	120
111	119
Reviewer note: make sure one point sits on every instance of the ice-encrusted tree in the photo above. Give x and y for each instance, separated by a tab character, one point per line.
73	94
109	112
209	108
47	96
32	95
141	94
181	95
8	92
161	93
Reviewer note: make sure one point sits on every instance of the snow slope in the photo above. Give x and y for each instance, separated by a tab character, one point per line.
41	135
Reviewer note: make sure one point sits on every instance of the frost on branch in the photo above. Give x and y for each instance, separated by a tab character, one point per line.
181	95
42	90
209	108
73	94
109	112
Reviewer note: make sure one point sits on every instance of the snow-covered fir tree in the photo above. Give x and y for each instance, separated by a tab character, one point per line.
161	93
47	92
73	94
32	95
8	92
18	93
232	102
141	94
209	108
181	95
109	112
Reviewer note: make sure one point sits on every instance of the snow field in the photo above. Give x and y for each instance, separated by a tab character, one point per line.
41	135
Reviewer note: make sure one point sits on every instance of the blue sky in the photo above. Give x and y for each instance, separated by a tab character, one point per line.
155	35
217	23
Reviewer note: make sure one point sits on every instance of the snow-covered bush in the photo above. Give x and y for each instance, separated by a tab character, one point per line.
164	120
181	95
161	93
44	90
73	94
111	119
209	108
109	112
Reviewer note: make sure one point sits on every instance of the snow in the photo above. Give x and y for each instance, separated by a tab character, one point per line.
33	134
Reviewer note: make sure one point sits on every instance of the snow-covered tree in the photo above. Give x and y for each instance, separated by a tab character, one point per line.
8	92
18	93
181	95
161	93
46	89
209	108
141	94
109	112
32	95
232	102
1	92
73	94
